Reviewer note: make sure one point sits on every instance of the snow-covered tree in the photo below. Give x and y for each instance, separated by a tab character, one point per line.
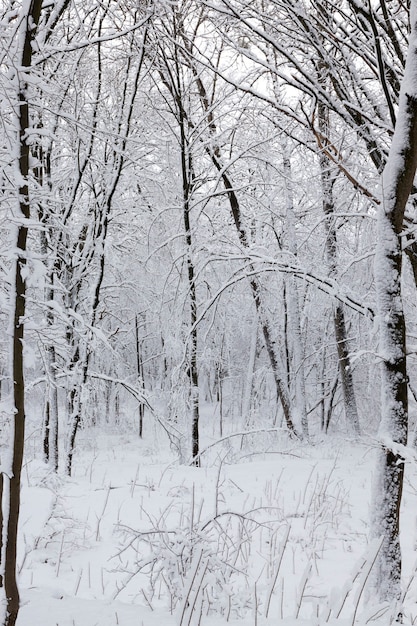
397	184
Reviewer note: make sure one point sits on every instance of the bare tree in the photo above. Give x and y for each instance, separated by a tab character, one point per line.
219	161
91	246
173	76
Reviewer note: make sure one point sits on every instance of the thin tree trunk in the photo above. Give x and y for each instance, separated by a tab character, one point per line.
50	444
186	168
248	385
329	409
294	316
216	158
51	406
42	175
219	378
345	369
77	393
53	409
192	366
277	370
219	375
286	344
30	15
124	124
139	367
45	444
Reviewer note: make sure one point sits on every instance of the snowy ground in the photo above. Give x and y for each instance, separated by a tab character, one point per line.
135	539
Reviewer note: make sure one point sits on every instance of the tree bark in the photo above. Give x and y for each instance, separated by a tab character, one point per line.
345	369
280	383
215	155
42	175
29	19
294	316
140	372
397	182
187	184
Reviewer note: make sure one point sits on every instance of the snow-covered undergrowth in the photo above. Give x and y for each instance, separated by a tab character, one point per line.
134	538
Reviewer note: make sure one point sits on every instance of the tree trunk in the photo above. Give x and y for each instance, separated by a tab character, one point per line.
248	383
45	433
82	357
53	410
30	14
397	181
186	167
42	175
139	367
1	527
345	369
294	317
277	370
235	210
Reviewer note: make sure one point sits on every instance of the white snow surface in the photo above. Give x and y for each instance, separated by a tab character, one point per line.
134	538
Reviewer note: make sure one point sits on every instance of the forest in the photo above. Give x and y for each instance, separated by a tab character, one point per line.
208	272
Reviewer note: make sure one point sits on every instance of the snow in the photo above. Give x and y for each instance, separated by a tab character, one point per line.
134	538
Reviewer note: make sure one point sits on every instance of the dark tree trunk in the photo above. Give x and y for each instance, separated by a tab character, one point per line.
187	175
45	445
42	175
29	22
140	371
1	524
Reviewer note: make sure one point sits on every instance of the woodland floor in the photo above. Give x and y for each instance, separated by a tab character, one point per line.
134	538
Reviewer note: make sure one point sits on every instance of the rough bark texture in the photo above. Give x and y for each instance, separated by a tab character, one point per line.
397	183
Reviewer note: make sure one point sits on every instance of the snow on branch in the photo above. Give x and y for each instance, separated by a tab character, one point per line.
269	264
